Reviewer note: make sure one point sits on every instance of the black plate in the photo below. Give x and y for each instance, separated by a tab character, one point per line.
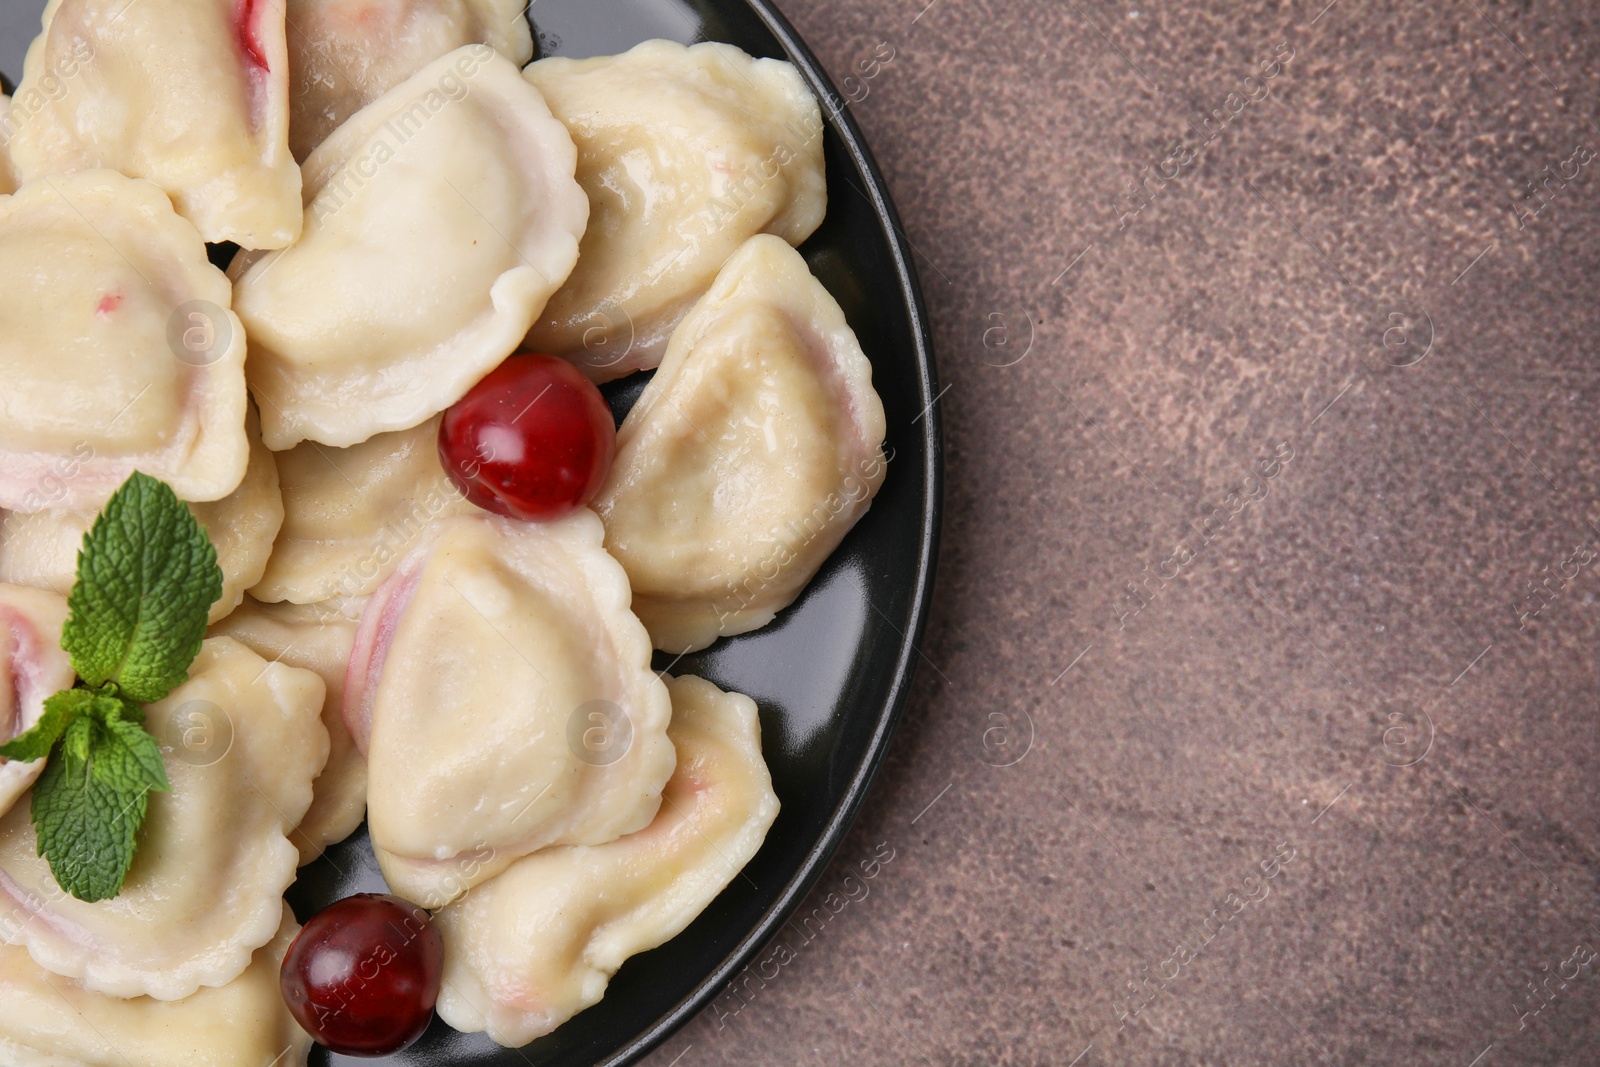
831	673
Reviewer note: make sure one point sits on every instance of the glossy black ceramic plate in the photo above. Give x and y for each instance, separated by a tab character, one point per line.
831	673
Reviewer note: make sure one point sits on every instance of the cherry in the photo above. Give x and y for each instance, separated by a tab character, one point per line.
532	440
363	974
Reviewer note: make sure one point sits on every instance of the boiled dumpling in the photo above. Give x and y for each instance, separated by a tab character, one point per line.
438	221
191	94
317	641
41	549
32	669
242	740
536	945
503	694
748	457
50	1022
344	54
8	175
353	513
117	348
685	152
244	525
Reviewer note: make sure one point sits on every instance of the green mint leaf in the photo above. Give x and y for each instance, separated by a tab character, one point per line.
92	798
76	742
59	711
122	707
147	577
131	759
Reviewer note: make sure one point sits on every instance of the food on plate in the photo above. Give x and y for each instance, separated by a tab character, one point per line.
319	641
344	54
351	514
533	440
438	221
537	944
136	617
41	549
95	265
8	176
50	1022
363	975
748	457
685	152
32	668
474	672
206	886
231	631
191	94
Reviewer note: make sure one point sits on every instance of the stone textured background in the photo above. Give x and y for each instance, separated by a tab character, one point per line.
1344	669
1346	665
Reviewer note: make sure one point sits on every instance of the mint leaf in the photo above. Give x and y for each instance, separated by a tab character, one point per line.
131	759
92	798
59	711
147	577
86	829
125	709
76	740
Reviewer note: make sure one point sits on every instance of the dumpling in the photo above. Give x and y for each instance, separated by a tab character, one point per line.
243	740
48	1022
96	267
503	694
438	221
344	54
747	458
191	94
32	668
685	152
320	642
244	525
41	549
8	174
351	514
527	951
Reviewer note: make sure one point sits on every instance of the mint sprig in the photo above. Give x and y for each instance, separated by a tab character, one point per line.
147	577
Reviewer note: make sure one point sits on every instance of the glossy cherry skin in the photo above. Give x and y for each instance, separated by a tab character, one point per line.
363	975
533	440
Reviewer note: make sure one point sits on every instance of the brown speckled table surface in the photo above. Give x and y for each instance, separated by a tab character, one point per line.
1257	723
1250	479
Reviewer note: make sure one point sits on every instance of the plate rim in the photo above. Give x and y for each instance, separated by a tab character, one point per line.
838	116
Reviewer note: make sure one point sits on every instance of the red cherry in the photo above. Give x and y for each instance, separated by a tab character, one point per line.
363	974
533	440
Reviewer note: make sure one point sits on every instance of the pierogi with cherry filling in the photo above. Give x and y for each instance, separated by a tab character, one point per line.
320	642
470	665
8	174
685	153
344	54
748	457
534	946
32	667
52	1023
41	549
438	221
477	687
110	263
352	514
190	94
206	887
